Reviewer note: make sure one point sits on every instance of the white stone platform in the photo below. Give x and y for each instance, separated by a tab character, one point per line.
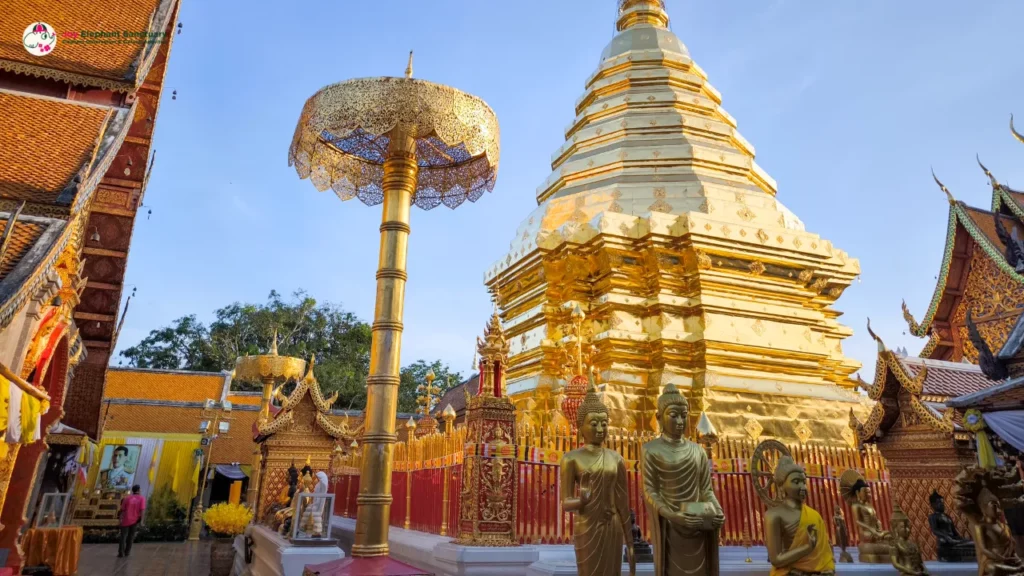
273	555
437	554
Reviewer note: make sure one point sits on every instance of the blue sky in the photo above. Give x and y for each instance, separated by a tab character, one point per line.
848	103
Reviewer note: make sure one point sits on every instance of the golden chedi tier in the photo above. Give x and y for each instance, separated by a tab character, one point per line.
658	222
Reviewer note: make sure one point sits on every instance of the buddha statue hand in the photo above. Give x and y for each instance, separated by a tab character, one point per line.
584	491
812	536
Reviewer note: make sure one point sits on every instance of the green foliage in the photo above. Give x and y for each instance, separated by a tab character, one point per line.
338	339
163	506
415	374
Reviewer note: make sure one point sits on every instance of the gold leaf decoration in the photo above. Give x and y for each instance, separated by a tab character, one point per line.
758	327
803	432
753	429
703	260
762	236
745	213
805	276
756	268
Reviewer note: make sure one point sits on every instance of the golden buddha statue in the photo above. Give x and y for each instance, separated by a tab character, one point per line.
602	506
684	514
980	494
874	541
904	552
794	532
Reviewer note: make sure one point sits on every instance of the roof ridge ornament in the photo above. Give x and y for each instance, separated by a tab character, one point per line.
639	12
1016	134
881	345
949	195
911	322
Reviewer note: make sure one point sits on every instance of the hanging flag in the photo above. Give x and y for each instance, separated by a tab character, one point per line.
152	470
195	478
174	479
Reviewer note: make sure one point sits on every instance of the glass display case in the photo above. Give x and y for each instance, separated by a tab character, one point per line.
311	517
53	509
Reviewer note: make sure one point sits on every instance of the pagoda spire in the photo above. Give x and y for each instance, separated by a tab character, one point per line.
638	12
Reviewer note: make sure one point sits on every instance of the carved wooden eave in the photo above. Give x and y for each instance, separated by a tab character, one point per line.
284	418
894	378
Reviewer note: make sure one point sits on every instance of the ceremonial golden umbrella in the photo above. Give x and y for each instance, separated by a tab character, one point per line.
396	141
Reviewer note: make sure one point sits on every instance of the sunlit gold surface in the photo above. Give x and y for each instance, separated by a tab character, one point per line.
677	490
396	141
658	222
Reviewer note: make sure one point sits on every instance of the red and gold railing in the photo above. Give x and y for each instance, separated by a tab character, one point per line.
423	466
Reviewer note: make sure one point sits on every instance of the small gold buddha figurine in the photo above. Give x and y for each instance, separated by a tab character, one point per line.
980	494
904	552
874	541
684	514
794	532
842	535
602	506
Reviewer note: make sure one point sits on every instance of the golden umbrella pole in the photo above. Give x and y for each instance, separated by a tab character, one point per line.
400	142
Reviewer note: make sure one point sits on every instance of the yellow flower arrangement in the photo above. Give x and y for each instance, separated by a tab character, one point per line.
227	519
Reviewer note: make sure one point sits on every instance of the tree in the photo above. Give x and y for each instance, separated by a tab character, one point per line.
415	374
338	339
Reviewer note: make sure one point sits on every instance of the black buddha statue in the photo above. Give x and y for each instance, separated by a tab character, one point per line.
641	548
951	546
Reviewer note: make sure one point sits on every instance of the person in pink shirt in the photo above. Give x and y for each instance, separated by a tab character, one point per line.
132	507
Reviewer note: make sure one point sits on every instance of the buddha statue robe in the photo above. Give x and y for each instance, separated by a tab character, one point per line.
677	478
819	560
599	535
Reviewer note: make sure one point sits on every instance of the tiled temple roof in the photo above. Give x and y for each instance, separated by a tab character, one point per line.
456	396
947	379
171	385
1009	394
109	65
55	151
33	247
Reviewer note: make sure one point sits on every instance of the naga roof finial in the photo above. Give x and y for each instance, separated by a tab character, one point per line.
273	344
991	178
881	345
949	195
915	328
1016	134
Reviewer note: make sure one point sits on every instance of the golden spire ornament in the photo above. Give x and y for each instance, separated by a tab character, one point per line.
400	142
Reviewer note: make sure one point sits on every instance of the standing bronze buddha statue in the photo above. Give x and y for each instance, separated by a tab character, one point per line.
684	514
602	504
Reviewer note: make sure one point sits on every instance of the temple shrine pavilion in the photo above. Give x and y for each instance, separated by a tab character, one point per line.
75	135
659	224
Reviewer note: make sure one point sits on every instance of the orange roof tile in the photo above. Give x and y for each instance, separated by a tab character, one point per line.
235	446
245	398
142	384
44	143
109	60
22	238
985	221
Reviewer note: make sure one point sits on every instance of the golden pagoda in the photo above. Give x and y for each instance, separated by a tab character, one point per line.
658	223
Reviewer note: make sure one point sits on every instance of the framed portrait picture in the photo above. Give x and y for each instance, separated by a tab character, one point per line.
53	510
118	465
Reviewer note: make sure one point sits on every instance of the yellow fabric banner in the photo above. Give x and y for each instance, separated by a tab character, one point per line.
177	455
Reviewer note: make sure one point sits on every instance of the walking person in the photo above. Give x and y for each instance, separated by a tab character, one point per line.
132	507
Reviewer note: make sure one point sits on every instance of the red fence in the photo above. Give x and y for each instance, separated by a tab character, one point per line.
421	505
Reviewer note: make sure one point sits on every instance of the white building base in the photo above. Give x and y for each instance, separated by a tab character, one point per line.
437	554
274	555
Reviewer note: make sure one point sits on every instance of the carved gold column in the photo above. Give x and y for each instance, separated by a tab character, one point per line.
441	148
449	428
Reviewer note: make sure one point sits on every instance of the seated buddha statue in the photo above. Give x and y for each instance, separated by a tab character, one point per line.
284	516
951	546
794	532
996	549
874	541
904	553
272	517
